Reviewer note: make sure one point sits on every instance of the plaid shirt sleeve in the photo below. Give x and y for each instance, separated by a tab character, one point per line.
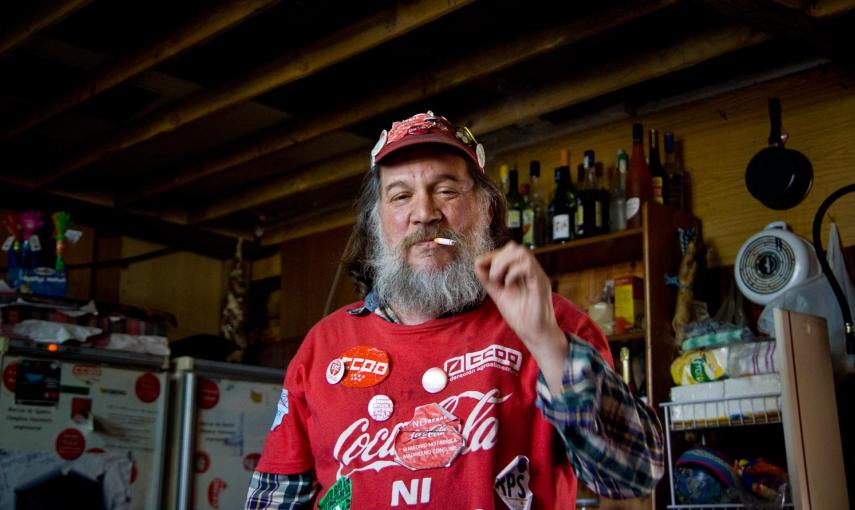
268	491
614	441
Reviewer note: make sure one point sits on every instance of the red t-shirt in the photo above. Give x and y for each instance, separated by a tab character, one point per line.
491	390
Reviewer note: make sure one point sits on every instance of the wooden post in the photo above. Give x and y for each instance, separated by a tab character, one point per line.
41	18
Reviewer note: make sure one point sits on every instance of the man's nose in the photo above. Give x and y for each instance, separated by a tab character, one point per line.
425	210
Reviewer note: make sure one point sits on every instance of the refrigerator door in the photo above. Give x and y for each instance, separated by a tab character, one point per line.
79	422
811	430
224	414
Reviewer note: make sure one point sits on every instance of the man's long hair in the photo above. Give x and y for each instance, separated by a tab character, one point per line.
356	254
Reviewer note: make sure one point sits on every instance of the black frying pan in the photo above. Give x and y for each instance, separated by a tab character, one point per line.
778	177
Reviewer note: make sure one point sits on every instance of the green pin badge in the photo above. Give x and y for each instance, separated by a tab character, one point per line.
338	497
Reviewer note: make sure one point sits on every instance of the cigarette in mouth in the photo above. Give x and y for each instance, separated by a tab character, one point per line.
444	241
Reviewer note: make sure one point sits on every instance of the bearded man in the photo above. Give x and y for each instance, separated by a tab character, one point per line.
460	380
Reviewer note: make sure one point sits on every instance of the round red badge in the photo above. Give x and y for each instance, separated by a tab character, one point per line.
215	488
202	462
365	366
250	461
70	444
431	439
9	375
147	387
335	371
209	393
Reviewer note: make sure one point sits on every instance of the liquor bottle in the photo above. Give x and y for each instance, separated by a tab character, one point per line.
590	220
562	209
638	182
579	218
617	203
534	215
676	181
603	196
504	170
659	179
515	207
624	365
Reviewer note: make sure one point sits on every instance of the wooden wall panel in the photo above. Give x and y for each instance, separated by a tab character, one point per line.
719	137
308	270
187	285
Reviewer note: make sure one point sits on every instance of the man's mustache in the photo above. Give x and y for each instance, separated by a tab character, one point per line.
429	233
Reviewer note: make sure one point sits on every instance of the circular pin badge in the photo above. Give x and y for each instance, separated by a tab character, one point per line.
380	407
482	155
364	366
335	371
434	380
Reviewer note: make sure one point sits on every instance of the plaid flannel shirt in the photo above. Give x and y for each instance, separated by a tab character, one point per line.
614	440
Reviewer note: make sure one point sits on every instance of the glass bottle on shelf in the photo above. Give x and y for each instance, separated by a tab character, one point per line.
617	202
659	179
674	172
504	171
638	182
534	215
604	196
515	207
562	209
589	216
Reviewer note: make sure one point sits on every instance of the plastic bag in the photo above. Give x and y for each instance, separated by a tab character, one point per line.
815	297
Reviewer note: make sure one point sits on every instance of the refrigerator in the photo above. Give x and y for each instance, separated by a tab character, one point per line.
81	427
221	414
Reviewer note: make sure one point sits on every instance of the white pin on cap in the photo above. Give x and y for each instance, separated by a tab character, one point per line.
434	380
335	371
380	407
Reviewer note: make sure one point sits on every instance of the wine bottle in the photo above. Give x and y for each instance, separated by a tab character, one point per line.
658	178
534	215
515	207
676	181
562	209
603	196
504	170
617	202
590	219
638	182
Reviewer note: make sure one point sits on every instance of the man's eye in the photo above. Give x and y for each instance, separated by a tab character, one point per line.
448	192
400	197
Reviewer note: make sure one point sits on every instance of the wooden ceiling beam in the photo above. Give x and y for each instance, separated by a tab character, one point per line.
212	22
615	76
461	70
597	82
372	31
315	176
42	17
829	8
322	223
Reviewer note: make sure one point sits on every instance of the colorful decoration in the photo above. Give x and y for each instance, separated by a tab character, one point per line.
13	225
61	224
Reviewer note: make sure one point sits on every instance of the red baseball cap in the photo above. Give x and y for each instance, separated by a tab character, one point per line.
427	128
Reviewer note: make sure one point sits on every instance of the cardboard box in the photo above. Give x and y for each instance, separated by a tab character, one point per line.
629	304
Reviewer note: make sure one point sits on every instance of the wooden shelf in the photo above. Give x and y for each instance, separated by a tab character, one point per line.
604	250
627	337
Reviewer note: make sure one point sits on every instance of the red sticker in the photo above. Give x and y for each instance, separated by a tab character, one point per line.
209	393
9	375
366	366
215	488
147	388
202	462
251	460
70	444
431	439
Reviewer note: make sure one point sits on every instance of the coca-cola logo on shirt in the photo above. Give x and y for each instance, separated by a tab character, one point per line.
358	449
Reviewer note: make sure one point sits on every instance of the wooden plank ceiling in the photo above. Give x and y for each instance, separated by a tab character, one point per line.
189	123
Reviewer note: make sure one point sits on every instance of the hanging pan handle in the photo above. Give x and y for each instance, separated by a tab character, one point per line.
775	139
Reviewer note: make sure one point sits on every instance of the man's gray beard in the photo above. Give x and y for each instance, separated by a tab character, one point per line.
434	291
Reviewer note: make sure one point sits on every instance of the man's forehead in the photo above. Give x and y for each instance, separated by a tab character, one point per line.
426	166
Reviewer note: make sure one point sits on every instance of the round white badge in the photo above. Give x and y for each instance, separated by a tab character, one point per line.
482	156
380	407
335	371
434	380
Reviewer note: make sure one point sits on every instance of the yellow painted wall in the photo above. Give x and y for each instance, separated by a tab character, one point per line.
720	135
187	285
